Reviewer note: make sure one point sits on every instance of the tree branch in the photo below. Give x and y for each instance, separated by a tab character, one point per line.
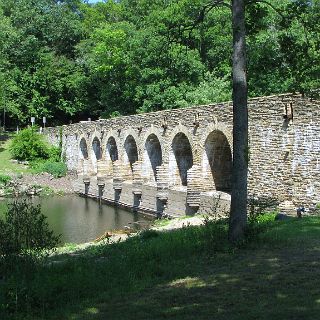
269	4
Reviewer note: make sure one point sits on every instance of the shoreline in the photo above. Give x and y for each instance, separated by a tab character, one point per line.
36	185
114	237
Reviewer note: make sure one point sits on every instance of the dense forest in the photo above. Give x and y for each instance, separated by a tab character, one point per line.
70	60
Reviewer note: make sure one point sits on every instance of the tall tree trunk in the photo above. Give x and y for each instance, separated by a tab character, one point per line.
238	213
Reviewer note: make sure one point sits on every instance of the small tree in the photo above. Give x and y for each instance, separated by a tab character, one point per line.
24	231
25	240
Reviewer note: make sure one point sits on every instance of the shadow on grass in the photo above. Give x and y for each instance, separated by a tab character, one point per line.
249	285
4	137
190	273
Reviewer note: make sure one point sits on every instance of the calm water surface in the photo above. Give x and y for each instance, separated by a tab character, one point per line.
81	220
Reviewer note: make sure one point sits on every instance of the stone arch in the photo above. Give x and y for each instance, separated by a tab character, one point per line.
83	166
112	149
106	153
83	149
125	134
96	153
217	162
96	148
180	159
217	126
130	153
152	157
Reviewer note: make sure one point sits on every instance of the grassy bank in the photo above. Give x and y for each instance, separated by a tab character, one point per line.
7	166
191	273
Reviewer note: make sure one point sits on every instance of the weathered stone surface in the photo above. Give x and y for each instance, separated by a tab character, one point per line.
181	160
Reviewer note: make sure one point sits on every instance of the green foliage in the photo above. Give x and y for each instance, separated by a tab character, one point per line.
24	231
57	169
68	60
178	263
259	205
4	179
54	154
25	240
148	234
29	145
121	269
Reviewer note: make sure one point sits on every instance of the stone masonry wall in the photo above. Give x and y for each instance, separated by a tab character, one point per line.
284	139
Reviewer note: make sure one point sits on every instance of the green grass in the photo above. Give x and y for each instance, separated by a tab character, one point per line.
8	167
190	273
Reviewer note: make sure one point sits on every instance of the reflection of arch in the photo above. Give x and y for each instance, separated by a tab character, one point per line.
83	149
218	161
96	147
152	156
181	149
131	150
112	149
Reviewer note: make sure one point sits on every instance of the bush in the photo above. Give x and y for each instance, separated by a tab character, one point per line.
260	205
55	154
24	230
25	240
4	179
29	145
57	169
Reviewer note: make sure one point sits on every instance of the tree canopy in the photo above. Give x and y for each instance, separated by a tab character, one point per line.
70	60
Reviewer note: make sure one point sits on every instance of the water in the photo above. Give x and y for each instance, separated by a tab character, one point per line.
81	220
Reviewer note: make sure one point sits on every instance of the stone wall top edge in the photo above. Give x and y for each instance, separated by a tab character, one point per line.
251	102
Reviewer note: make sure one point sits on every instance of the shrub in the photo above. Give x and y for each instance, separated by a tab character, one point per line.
24	230
259	205
55	154
25	240
4	179
29	145
57	169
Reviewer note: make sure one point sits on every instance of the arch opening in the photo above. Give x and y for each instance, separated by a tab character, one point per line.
152	156
131	149
112	149
96	146
83	149
219	158
183	155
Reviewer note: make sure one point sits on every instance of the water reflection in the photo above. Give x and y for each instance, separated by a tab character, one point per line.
80	219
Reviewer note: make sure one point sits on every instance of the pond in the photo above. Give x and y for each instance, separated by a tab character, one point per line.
80	220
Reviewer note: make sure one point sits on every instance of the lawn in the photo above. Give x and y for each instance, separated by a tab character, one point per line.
6	166
191	273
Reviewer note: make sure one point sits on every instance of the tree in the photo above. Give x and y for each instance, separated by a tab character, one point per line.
238	212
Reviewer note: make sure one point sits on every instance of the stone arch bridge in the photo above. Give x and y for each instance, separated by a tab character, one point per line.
179	162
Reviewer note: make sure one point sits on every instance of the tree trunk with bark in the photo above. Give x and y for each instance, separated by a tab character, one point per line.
238	213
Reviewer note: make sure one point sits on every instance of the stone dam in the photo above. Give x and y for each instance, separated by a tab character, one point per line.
178	162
